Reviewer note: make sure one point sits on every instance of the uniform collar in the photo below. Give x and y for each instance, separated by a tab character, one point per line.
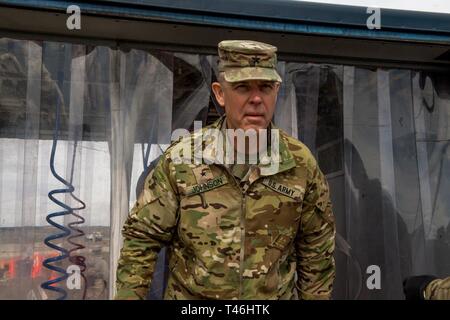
212	149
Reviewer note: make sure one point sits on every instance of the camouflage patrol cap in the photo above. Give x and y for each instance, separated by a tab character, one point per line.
241	60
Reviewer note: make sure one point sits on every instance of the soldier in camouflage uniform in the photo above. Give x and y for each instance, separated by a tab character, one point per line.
438	289
234	231
426	287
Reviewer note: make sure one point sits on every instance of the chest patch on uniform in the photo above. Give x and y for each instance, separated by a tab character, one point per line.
206	186
280	188
202	174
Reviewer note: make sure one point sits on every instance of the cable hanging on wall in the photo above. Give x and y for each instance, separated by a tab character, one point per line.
73	231
50	284
75	258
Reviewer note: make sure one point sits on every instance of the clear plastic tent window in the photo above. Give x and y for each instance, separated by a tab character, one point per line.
380	135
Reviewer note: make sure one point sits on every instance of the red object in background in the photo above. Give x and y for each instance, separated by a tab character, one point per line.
53	276
36	268
12	268
37	265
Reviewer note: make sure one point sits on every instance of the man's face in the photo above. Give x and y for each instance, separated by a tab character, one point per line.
248	104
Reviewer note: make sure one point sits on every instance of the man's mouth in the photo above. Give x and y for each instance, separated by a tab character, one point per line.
254	115
254	118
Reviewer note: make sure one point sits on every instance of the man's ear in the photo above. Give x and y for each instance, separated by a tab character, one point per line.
218	93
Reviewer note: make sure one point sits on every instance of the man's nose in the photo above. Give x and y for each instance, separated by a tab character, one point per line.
256	96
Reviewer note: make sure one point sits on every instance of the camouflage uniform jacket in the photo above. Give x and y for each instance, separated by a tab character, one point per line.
269	238
438	289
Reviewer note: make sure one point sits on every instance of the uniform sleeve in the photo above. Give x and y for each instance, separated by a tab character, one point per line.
149	226
438	289
315	241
